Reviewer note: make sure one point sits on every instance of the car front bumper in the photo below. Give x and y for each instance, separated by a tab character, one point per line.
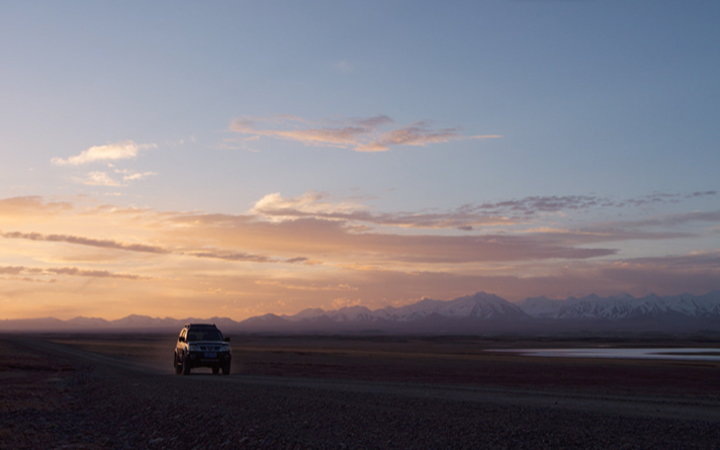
209	359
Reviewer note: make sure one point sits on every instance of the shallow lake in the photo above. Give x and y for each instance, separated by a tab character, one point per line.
692	354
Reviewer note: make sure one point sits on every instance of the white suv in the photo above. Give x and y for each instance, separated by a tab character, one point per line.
202	345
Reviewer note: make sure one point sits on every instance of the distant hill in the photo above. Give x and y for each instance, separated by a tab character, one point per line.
481	313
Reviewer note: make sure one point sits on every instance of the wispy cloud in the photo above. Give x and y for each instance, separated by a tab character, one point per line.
80	240
694	260
145	248
679	219
130	175
470	217
74	271
320	205
239	256
17	270
307	287
68	271
417	134
98	178
232	256
102	153
537	204
542	204
332	239
373	134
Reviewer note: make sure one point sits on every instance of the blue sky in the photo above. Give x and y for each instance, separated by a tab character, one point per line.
567	116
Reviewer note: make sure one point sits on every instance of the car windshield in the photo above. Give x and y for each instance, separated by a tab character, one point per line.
204	335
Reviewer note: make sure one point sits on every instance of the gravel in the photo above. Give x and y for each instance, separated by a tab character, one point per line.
63	400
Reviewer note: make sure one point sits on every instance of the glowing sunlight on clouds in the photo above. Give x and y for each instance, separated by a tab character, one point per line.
306	250
274	206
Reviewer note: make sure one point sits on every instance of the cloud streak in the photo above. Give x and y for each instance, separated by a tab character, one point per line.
144	248
79	240
75	272
247	257
540	204
67	271
373	134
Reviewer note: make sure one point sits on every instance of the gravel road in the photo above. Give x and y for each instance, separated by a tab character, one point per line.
56	396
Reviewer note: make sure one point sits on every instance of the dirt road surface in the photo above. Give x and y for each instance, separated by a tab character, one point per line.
56	395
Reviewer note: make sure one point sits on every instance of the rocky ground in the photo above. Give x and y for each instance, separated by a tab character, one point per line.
55	396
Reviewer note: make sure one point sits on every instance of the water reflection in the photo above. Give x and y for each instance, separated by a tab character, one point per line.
692	354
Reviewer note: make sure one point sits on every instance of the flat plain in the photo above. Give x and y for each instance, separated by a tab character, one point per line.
120	391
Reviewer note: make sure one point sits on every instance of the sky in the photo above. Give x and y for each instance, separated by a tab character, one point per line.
195	159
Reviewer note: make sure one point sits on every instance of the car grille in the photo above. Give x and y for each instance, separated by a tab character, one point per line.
210	348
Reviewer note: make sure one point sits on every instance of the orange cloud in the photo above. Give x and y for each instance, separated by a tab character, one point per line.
30	206
134	260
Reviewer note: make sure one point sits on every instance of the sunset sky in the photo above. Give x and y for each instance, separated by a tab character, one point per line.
238	158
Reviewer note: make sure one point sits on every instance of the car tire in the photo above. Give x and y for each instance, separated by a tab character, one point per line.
178	367
226	369
186	365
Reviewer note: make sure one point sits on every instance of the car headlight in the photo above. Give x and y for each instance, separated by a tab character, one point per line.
192	348
226	348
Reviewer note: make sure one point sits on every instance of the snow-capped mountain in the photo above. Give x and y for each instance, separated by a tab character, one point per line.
479	306
623	306
541	307
484	306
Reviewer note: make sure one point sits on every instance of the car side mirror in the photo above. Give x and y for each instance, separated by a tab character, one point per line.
181	339
227	339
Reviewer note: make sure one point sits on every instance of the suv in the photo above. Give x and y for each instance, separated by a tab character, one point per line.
202	345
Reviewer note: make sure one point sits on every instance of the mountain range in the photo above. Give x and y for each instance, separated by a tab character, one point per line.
481	313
